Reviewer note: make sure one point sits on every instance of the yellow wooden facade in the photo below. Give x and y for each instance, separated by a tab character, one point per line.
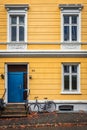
44	33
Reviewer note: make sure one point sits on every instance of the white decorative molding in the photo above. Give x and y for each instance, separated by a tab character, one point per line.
70	6
64	101
42	53
17	46
17	7
72	46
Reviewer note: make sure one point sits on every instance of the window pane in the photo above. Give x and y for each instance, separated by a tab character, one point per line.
74	33
13	33
66	33
74	68
13	19
21	19
66	68
66	19
21	33
66	82
74	82
74	19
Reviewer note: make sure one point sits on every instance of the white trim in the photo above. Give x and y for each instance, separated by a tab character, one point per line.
44	43
63	101
8	23
70	6
6	76
28	82
17	6
80	27
16	9
61	27
6	81
45	53
78	105
70	91
26	25
8	31
71	12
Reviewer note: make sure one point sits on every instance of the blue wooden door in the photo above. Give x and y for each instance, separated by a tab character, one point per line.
15	87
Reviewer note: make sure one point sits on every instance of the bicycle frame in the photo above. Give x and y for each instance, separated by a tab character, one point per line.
42	107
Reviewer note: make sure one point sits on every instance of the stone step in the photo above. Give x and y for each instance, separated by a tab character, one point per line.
12	116
15	105
13	113
14	110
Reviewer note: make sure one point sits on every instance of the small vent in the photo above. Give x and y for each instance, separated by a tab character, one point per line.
66	108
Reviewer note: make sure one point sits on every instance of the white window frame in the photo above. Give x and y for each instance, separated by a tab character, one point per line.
70	13
16	12
70	91
17	25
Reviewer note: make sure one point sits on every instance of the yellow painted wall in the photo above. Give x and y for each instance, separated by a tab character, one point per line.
44	23
46	77
43	47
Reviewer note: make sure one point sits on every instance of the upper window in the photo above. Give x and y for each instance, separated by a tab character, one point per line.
71	78
70	22
17	22
17	28
70	27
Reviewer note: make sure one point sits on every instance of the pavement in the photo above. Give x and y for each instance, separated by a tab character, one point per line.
46	121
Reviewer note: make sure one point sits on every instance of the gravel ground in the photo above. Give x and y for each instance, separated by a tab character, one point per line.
46	121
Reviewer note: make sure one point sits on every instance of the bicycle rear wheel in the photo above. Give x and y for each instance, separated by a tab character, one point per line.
50	106
33	108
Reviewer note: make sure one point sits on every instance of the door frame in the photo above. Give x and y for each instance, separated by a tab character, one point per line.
6	77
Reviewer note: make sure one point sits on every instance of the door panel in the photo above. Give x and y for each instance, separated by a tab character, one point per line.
15	87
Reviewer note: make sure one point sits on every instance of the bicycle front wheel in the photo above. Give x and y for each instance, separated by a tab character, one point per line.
50	106
33	108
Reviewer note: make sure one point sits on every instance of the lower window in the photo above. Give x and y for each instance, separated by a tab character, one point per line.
71	78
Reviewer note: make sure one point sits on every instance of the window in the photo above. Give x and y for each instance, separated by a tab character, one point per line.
70	78
17	28
70	27
17	22
70	22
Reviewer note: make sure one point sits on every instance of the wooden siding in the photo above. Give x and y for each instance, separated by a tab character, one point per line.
44	25
47	77
44	20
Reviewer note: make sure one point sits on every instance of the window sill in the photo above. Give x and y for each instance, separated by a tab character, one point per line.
71	42
71	93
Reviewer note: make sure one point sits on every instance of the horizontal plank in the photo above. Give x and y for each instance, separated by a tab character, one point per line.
46	76
45	65
44	30
42	37
43	92
44	16
45	87
45	71
45	81
42	47
2	92
43	23
84	81
59	97
42	8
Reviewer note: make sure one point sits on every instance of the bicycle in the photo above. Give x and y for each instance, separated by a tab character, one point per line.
47	106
